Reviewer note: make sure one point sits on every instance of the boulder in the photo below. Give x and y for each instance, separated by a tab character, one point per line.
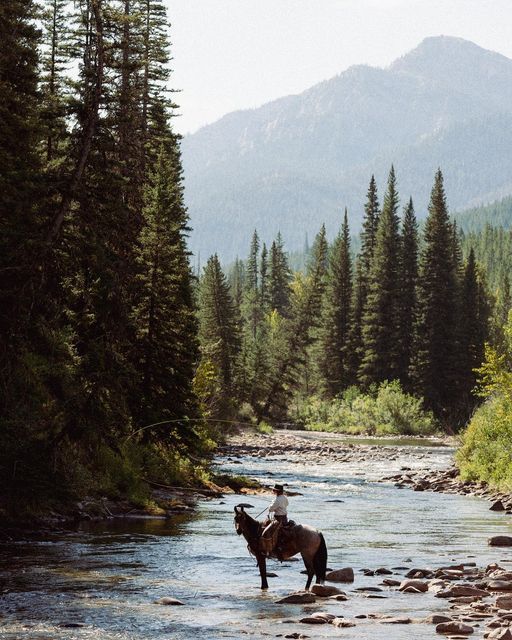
341	575
462	591
500	585
497	506
454	628
313	620
419	573
437	618
325	591
413	586
301	597
500	541
504	602
390	582
500	634
169	601
396	621
341	622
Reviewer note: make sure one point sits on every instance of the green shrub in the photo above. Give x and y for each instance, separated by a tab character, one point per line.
486	450
384	410
264	427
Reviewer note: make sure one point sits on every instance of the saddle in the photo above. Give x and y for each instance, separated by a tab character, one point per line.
273	537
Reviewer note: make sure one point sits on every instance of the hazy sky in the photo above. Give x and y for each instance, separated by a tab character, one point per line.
237	54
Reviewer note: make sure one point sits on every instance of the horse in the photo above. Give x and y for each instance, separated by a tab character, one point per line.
301	539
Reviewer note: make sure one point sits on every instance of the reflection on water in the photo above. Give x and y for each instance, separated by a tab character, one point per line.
100	582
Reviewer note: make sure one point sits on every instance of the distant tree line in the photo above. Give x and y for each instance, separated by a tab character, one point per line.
406	308
97	318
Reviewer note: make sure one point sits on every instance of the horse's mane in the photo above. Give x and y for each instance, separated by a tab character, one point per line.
254	525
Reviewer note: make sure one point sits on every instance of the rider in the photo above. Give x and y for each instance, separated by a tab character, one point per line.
280	505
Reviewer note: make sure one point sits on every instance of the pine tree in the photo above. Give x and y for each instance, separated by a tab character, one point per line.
407	291
218	331
251	271
165	315
336	314
279	277
316	270
380	329
264	279
473	332
434	365
54	81
361	278
236	279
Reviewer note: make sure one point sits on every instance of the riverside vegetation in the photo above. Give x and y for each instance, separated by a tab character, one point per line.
119	367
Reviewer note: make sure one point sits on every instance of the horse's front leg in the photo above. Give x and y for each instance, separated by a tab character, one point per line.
262	566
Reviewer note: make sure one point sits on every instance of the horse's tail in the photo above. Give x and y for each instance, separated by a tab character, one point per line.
320	560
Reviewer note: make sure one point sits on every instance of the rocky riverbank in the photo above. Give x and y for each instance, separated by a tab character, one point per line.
477	599
417	474
448	481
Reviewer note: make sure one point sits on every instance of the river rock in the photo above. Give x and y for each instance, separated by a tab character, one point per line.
341	575
325	591
169	601
419	573
390	582
497	506
500	634
462	591
500	585
437	618
413	586
396	621
500	541
301	597
313	620
451	628
504	602
342	623
382	571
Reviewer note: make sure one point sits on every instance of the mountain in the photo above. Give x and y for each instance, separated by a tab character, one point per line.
298	161
496	214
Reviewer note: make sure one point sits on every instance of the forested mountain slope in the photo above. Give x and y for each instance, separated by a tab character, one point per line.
298	161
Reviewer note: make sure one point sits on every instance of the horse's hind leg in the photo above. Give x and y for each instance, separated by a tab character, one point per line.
308	563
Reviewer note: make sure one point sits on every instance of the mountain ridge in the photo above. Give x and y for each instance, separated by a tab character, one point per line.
297	161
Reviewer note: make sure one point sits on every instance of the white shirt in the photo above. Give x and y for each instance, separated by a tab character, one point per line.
279	506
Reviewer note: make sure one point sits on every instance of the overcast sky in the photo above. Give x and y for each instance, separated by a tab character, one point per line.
238	54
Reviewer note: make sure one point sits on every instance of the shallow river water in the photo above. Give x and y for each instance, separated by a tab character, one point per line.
101	581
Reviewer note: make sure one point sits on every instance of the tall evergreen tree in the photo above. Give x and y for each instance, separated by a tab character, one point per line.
336	314
473	329
380	320
219	332
407	291
361	278
279	277
251	271
264	279
168	350
434	365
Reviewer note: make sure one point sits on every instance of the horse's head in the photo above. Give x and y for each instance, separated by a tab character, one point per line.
239	519
242	519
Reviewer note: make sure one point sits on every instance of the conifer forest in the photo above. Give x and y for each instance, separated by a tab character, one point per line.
121	364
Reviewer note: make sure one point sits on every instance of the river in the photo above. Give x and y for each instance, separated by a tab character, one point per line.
101	581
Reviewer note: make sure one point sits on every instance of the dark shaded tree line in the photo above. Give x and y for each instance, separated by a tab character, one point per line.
97	317
406	308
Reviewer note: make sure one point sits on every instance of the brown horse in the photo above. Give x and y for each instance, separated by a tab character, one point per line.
299	538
